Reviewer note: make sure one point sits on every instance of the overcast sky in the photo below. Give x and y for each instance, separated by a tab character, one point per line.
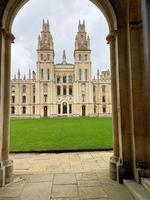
63	16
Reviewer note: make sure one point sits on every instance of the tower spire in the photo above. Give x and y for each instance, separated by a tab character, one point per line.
82	41
64	57
18	74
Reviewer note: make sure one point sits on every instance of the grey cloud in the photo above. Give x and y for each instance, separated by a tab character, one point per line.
63	16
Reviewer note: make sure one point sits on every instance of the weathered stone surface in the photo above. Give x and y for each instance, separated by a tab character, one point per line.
64	179
64	191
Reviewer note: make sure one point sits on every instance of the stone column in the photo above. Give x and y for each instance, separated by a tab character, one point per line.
2	168
111	38
138	85
8	39
146	20
125	163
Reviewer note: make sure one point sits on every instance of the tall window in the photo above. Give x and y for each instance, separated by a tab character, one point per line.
58	90
42	74
13	88
70	108
33	99
64	79
33	108
70	90
103	99
59	108
103	88
23	110
58	79
13	99
94	89
94	109
24	99
24	88
104	109
45	88
86	74
45	98
12	110
80	74
48	74
64	90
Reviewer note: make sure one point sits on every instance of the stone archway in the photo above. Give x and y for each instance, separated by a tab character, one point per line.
45	111
11	10
125	32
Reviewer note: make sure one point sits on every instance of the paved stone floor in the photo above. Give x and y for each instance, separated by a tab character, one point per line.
66	176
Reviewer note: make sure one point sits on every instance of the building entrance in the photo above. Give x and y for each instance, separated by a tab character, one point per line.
45	111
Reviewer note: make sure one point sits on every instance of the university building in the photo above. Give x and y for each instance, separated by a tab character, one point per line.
62	89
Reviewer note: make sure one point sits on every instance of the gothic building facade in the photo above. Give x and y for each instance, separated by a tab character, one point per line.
62	89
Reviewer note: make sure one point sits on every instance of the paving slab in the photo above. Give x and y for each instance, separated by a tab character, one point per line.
64	191
64	179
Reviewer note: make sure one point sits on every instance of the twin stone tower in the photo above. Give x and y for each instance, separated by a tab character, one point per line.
62	89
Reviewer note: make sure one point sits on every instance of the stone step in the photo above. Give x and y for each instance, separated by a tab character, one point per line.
146	183
137	190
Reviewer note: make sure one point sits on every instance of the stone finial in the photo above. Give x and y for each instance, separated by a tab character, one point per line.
64	57
29	74
18	74
98	74
24	77
33	75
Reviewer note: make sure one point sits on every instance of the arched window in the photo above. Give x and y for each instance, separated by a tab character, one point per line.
86	74
45	98
64	79
70	90
23	110
13	99
58	90
58	79
64	90
13	88
104	109
80	74
33	110
103	99
42	74
12	110
24	99
48	74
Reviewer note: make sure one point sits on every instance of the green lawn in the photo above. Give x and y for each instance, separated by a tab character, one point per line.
60	134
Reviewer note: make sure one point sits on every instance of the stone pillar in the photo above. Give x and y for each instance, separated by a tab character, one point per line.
8	39
146	20
111	38
125	164
2	169
138	85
